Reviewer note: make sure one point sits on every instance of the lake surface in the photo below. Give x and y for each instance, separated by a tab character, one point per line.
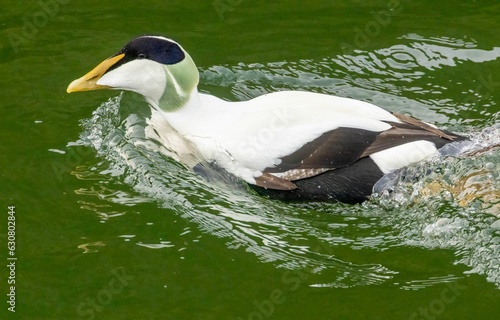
108	228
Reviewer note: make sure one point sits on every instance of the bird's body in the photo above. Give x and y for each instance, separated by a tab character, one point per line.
289	144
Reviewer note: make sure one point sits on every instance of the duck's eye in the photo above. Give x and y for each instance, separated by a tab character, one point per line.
141	56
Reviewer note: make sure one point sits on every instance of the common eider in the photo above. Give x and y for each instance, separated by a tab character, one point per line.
290	145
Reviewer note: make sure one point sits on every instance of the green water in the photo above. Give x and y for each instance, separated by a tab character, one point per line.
108	228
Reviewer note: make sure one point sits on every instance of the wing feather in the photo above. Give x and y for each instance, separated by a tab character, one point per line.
342	147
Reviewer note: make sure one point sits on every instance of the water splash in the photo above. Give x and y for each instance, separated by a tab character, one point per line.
452	202
451	206
466	173
247	221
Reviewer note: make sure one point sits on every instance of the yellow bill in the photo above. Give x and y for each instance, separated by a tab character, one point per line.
89	81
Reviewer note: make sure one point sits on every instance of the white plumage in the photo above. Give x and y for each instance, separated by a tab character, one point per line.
290	144
246	137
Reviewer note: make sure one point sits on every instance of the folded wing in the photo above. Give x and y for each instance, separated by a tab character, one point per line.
343	147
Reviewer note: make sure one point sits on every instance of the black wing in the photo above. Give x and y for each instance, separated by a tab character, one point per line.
343	147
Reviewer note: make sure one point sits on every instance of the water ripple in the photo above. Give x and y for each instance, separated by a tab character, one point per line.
378	76
247	221
454	207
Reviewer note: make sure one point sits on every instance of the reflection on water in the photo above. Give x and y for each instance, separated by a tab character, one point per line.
419	284
91	246
446	202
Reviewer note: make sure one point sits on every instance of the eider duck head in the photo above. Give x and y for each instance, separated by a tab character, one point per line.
156	67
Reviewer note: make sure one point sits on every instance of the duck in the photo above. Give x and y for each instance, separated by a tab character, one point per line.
286	145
